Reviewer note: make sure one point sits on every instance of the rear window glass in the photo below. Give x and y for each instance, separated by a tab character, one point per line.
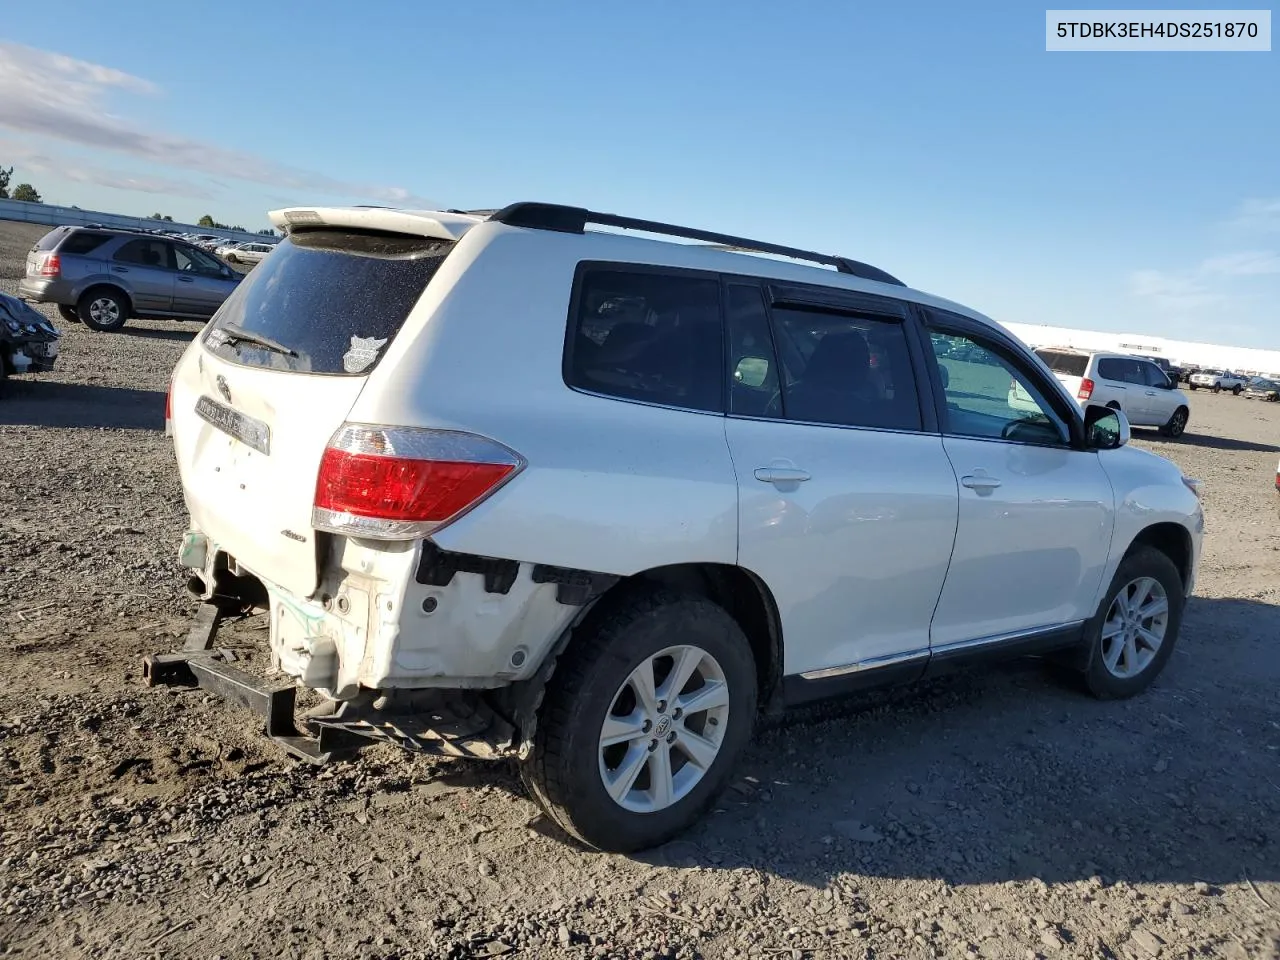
82	243
325	301
1070	364
50	239
647	336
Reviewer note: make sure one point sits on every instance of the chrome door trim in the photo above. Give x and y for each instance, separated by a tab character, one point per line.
876	662
1000	638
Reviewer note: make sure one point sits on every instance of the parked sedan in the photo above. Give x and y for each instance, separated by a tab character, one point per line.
1262	388
249	252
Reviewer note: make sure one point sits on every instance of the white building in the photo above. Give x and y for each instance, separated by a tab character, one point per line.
1248	360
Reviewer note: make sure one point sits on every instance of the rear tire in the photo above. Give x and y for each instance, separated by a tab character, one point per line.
1127	650
1217	388
104	310
68	313
667	761
1192	386
1177	423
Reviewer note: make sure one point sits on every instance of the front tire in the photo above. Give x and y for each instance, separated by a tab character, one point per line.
68	313
1131	637
1192	386
1177	423
103	310
1237	390
232	258
644	719
1217	388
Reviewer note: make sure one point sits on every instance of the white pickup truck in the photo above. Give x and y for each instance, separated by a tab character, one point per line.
1219	380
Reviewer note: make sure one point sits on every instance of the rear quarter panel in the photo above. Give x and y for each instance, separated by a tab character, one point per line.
610	486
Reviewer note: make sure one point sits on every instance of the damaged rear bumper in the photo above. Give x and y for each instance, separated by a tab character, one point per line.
458	723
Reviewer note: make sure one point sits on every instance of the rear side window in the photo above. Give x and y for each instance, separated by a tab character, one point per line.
1068	364
845	369
82	243
326	301
1117	368
146	253
645	336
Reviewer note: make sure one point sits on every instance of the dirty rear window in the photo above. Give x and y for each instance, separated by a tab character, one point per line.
50	239
1070	364
325	301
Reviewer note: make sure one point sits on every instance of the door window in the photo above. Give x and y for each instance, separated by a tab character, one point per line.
989	396
845	369
753	365
1155	376
1122	370
648	336
196	261
147	253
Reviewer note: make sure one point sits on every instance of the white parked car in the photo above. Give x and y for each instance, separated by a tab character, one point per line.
1219	380
249	252
227	247
1122	382
517	487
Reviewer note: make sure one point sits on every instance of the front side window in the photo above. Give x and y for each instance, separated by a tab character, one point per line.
989	397
191	260
651	337
1155	376
845	369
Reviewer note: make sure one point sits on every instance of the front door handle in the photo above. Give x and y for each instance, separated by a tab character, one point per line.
980	482
781	474
186	280
119	269
1151	393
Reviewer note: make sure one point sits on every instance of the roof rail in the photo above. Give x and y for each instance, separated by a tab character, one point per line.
563	219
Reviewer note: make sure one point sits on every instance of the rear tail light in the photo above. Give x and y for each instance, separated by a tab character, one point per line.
52	266
168	411
401	483
1086	389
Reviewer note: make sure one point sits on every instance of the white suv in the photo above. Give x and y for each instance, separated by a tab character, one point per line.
1122	382
1219	380
511	486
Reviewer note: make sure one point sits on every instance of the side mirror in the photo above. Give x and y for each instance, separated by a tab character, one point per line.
751	371
1105	428
945	374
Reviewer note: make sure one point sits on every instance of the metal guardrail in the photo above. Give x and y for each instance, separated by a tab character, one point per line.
56	216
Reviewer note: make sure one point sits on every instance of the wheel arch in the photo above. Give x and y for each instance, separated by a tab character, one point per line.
1171	539
743	594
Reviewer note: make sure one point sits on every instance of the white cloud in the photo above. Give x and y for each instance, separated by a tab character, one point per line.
37	163
1243	264
48	94
1171	291
1257	215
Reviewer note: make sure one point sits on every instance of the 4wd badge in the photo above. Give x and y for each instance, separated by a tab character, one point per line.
363	352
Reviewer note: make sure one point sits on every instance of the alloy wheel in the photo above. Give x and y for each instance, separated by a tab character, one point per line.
664	729
104	310
1135	627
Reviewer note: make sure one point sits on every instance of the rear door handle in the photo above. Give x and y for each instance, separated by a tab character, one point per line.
119	269
1151	393
781	474
980	482
186	280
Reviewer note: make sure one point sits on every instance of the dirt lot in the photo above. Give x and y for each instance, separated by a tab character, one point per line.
994	814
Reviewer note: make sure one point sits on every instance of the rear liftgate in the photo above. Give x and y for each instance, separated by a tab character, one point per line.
439	722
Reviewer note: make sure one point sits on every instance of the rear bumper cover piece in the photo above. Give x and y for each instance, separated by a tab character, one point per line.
441	722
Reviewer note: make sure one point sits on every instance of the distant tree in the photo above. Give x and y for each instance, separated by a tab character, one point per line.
267	232
4	182
206	221
25	191
236	227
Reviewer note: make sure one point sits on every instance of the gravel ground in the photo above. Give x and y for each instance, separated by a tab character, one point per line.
990	814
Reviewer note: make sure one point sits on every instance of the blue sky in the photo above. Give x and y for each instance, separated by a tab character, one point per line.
1136	192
